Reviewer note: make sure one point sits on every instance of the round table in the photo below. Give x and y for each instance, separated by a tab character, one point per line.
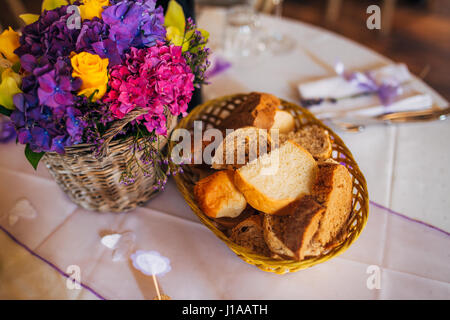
402	253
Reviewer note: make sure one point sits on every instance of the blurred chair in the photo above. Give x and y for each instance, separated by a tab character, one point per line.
265	6
17	7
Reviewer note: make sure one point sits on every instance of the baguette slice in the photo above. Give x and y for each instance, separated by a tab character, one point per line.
240	147
333	189
283	121
249	234
290	232
257	111
276	179
313	138
217	196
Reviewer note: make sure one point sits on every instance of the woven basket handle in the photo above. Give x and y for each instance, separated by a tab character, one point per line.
117	127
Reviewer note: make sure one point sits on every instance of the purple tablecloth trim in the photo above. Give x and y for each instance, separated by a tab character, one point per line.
408	218
49	263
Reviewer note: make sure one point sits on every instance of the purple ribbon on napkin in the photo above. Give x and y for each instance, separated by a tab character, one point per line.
387	90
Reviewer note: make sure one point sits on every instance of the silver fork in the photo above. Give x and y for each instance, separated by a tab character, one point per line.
358	124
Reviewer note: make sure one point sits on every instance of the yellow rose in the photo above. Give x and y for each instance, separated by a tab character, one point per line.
9	41
9	86
92	8
92	70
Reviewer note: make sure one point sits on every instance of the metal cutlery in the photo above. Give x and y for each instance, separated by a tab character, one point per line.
358	123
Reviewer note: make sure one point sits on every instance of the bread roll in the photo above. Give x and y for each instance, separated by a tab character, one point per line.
258	110
217	196
283	121
276	179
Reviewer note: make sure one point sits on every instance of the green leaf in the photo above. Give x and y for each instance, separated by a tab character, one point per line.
5	111
92	95
33	157
16	67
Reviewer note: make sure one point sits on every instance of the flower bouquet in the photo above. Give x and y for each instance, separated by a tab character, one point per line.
94	88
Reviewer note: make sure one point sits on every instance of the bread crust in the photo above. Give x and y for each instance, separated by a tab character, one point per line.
333	189
290	232
229	223
283	121
217	196
257	111
253	238
314	139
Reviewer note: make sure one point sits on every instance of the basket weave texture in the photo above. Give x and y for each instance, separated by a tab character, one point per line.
212	113
92	182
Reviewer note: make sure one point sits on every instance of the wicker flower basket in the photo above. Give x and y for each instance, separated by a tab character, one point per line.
212	113
92	182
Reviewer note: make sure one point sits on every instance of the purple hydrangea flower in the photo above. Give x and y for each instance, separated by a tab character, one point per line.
91	32
134	23
74	124
49	36
107	49
56	86
7	132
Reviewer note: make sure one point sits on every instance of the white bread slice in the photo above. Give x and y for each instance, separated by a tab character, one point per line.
241	146
217	196
276	179
283	121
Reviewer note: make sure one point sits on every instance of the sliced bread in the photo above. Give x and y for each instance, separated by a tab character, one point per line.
276	179
217	196
290	232
313	138
249	234
229	223
283	121
332	189
257	111
241	146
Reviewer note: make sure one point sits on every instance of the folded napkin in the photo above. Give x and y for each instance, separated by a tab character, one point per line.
370	105
345	98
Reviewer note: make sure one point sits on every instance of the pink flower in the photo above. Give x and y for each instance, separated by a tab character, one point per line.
155	79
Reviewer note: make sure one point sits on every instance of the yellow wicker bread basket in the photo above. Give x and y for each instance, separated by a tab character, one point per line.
212	113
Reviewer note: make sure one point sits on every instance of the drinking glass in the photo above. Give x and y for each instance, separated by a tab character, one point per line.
242	34
275	41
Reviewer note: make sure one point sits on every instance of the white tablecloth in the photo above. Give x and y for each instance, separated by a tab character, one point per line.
406	171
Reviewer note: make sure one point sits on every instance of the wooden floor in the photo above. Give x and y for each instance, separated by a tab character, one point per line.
420	36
